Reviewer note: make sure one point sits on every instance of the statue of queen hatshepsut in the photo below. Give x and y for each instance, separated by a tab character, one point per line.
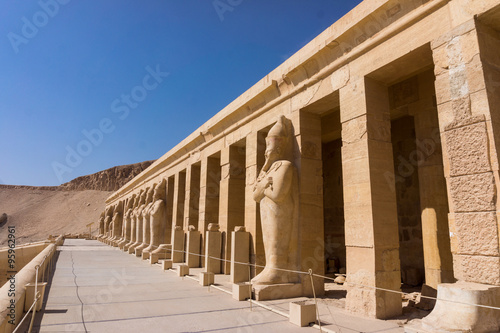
276	190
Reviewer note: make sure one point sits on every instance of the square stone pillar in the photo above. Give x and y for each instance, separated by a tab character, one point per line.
169	204
209	197
467	79
193	258
177	245
232	196
209	192
213	248
178	200
310	235
371	224
240	252
255	148
192	196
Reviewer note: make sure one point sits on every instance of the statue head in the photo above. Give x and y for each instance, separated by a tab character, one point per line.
150	192
131	202
118	208
277	140
159	191
109	211
142	196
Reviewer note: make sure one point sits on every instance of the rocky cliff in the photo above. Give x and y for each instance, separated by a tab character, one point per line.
37	212
107	180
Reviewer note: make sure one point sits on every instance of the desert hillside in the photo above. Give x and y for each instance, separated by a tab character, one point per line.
38	212
107	180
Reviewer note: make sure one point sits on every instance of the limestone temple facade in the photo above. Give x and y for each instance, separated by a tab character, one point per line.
374	148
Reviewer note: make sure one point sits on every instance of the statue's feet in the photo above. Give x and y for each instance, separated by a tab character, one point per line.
271	276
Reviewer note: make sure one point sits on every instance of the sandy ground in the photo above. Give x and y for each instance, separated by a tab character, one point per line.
38	213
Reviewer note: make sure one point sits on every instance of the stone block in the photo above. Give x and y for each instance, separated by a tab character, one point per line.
193	257
30	295
166	264
182	270
145	255
302	313
213	249
178	245
155	257
240	252
477	233
426	303
242	291
470	155
473	193
479	269
450	315
206	278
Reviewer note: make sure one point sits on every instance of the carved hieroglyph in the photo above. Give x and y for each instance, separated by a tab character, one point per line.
276	190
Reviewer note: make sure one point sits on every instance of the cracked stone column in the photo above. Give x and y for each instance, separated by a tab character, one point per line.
371	224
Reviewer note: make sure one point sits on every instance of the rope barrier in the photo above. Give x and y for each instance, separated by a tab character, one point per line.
27	313
332	279
315	301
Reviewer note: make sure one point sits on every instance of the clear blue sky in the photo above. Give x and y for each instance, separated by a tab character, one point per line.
67	66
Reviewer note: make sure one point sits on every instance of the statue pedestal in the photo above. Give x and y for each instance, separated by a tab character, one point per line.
162	252
277	291
455	317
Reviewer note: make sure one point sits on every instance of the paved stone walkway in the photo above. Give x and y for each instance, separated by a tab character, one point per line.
97	288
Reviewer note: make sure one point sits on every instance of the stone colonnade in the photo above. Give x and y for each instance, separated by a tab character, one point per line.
432	65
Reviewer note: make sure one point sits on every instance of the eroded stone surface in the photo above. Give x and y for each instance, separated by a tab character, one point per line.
473	193
471	155
477	233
